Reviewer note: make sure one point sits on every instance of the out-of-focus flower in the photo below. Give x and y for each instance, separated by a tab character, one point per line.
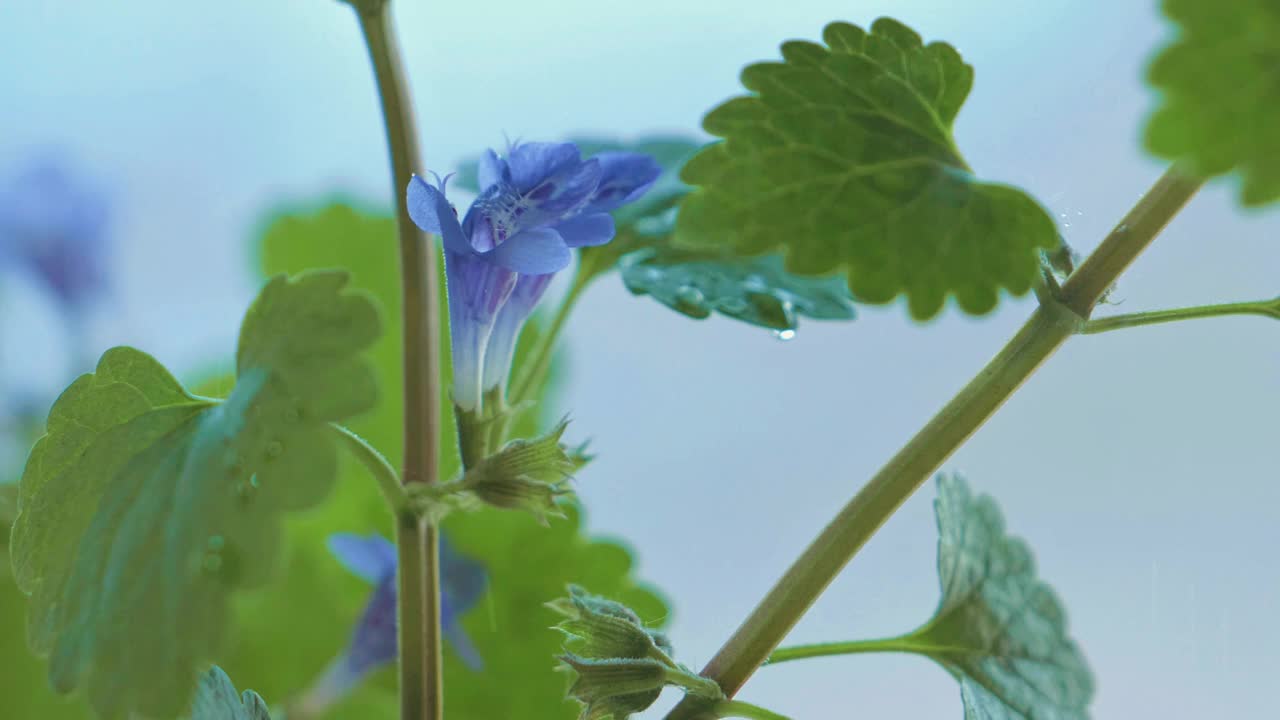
534	206
54	226
373	643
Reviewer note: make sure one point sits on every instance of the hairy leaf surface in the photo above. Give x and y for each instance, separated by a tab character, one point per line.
842	159
143	507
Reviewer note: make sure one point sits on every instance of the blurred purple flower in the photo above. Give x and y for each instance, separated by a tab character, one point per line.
373	643
534	206
53	226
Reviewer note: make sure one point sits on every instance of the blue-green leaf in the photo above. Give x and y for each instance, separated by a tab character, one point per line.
755	290
998	628
143	507
1220	84
216	699
842	159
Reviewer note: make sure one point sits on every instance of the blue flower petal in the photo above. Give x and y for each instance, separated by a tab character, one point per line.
461	644
462	579
54	226
432	213
587	230
500	352
625	176
370	557
533	252
492	170
532	163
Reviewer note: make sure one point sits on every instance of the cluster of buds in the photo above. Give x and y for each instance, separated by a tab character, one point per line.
620	665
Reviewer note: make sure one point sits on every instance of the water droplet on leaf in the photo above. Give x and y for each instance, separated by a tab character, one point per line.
691	301
275	449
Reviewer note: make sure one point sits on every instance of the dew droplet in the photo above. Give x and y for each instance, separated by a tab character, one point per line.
691	298
754	283
275	449
784	335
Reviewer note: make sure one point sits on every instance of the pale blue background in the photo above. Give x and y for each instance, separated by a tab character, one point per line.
1141	466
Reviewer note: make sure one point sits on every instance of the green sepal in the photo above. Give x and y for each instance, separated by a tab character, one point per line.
621	665
619	687
600	628
530	475
602	678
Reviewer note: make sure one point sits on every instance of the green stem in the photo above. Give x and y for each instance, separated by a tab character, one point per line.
1266	308
421	684
530	379
739	709
1049	326
377	465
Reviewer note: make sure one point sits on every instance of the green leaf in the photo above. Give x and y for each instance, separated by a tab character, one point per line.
843	160
284	638
756	290
1220	82
753	289
143	507
998	628
216	699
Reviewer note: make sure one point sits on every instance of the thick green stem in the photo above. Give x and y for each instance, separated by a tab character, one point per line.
421	691
1043	333
377	465
739	709
1266	308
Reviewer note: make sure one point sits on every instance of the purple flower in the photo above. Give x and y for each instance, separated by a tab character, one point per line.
534	206
373	643
54	227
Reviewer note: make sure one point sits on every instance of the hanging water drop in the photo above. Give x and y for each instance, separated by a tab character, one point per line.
784	335
690	301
